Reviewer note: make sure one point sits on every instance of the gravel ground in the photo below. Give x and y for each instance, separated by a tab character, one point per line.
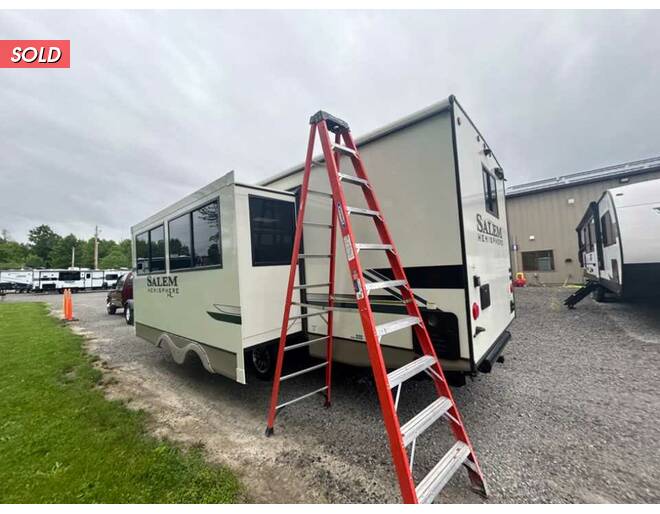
571	416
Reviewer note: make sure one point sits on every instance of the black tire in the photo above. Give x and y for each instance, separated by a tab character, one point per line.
129	315
262	361
110	309
599	295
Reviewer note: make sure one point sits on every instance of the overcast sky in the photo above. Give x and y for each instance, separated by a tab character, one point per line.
158	104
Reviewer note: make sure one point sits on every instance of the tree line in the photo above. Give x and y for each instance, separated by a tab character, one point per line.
47	249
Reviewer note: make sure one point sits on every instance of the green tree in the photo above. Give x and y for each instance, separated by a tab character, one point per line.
60	255
43	240
34	261
115	259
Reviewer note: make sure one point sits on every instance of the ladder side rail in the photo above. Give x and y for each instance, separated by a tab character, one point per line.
413	309
272	412
399	454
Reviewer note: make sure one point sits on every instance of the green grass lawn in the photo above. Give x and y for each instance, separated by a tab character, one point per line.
61	441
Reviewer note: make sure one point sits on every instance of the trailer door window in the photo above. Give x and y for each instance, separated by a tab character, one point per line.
142	252
180	242
206	235
542	260
608	229
490	192
157	249
272	225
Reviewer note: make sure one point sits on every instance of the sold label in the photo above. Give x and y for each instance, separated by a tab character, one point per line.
35	53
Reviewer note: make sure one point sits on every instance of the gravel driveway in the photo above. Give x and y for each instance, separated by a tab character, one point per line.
573	415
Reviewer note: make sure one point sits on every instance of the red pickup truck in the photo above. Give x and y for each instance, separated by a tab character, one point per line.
121	297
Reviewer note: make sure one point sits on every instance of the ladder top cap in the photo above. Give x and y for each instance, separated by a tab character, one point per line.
334	124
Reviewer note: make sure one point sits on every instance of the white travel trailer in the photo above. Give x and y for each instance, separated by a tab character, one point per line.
16	280
619	243
442	193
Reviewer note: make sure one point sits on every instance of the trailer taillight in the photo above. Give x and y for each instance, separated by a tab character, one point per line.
475	311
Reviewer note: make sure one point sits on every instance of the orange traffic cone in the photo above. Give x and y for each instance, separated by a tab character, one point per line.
68	305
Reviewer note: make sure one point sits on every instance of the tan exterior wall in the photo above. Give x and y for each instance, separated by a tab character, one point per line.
551	219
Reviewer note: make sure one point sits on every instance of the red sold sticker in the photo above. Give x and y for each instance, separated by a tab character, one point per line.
35	53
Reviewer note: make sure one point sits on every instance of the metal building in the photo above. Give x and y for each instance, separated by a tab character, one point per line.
543	216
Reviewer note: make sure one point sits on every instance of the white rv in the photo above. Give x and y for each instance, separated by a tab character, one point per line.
619	243
442	194
16	280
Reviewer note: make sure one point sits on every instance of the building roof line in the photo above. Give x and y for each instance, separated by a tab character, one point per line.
616	170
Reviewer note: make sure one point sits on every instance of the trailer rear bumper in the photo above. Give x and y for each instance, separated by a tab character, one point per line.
485	364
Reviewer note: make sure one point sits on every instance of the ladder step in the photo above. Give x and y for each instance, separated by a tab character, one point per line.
310	286
310	314
397	324
320	390
314	256
319	193
411	369
362	212
344	149
311	305
416	426
352	179
384	284
372	246
305	343
442	472
303	371
319	225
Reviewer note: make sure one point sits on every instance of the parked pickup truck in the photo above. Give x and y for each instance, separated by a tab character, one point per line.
121	297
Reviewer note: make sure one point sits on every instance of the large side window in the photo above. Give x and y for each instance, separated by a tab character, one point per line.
272	227
157	248
607	229
180	242
541	260
206	235
490	192
142	252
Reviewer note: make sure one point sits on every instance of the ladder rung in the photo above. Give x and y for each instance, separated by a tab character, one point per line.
344	149
305	343
311	305
397	324
384	284
320	390
362	212
309	314
319	225
314	256
442	472
416	426
352	179
372	246
411	369
319	193
309	286
303	371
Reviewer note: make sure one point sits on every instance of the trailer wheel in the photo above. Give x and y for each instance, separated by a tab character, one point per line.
598	295
128	313
262	358
110	309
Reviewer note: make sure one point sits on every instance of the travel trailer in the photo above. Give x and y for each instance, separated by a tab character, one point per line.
76	279
441	190
618	244
16	280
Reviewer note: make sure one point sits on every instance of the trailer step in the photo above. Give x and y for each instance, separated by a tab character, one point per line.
581	294
362	212
397	324
385	284
305	343
352	179
336	147
372	246
317	391
417	425
411	369
442	472
303	371
310	286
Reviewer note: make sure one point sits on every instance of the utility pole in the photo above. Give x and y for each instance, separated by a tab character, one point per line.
73	256
96	247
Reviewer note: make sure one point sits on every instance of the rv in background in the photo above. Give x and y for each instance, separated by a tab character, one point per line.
19	281
44	280
619	244
212	269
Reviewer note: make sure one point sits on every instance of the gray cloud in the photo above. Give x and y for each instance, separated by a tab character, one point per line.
157	104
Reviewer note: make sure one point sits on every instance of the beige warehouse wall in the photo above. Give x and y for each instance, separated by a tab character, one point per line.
551	219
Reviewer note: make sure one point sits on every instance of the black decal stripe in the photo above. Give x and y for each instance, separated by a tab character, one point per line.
431	277
228	318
